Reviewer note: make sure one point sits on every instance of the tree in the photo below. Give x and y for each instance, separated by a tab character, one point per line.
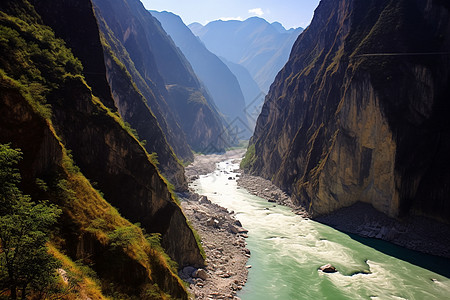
24	231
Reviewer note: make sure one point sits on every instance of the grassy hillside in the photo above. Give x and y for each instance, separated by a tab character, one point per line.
94	244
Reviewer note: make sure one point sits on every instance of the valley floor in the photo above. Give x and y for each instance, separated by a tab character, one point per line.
226	271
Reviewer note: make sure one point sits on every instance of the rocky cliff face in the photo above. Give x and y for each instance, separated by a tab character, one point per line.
104	75
47	108
156	65
360	111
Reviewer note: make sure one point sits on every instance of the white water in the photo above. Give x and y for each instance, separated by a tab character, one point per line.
287	251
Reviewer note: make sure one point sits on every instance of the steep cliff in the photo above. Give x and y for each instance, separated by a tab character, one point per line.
218	79
156	65
360	111
47	108
106	75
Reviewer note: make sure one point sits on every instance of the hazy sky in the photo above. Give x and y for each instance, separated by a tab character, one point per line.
290	13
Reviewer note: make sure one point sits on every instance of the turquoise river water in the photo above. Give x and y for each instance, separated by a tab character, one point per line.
287	250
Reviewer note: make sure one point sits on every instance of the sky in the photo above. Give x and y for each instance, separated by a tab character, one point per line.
290	13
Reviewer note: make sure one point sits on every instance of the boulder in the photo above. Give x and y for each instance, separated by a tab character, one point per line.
328	269
201	273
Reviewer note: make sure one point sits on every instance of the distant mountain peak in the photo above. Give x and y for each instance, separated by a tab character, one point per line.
279	27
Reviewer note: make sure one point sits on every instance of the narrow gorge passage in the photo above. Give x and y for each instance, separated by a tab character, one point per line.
287	250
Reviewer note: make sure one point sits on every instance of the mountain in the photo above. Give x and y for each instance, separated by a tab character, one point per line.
125	97
360	111
254	43
218	79
254	97
80	155
182	106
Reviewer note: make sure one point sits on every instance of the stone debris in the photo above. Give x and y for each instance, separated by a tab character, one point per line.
264	188
223	239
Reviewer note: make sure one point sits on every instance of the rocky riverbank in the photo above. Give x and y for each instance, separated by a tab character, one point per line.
205	164
267	190
223	238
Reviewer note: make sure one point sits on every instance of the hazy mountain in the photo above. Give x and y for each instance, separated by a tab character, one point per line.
218	79
347	121
254	97
261	47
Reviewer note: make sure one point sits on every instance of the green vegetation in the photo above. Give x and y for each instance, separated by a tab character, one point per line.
38	66
198	239
249	158
25	263
33	60
154	240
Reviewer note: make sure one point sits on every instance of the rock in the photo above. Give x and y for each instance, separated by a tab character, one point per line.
238	223
201	273
212	222
248	266
204	200
328	269
235	229
247	251
188	271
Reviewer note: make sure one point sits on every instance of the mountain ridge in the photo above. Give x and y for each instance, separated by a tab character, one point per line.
218	79
251	43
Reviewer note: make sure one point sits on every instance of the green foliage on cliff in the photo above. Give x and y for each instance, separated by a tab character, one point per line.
33	60
39	67
249	158
25	263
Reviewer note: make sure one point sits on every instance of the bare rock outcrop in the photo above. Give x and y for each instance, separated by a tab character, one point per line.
354	116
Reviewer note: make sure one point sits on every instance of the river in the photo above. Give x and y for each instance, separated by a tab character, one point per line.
287	250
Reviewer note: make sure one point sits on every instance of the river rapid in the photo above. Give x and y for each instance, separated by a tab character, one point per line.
287	250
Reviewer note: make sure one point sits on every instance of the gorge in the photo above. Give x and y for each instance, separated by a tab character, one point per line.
109	106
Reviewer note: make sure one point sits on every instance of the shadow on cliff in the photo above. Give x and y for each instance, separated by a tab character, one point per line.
437	264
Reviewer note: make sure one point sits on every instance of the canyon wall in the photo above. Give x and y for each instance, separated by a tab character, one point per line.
360	111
